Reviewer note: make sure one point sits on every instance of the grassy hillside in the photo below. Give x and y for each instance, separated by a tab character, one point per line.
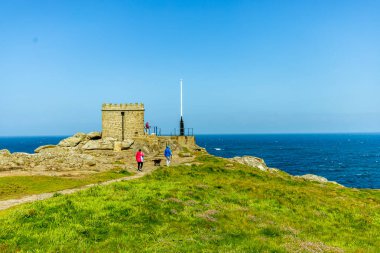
200	208
20	186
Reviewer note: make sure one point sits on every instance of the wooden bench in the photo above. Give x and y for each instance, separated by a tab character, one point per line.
157	161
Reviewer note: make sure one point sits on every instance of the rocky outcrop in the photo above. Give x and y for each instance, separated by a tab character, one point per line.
5	152
101	144
10	161
260	164
316	178
37	150
69	155
126	144
56	158
94	136
80	140
91	141
73	140
252	162
86	152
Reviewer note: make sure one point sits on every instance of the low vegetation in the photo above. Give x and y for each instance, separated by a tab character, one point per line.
19	186
205	207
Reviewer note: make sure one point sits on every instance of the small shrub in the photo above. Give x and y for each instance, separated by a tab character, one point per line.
125	172
271	231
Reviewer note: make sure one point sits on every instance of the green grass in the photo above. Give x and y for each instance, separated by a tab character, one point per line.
19	186
205	208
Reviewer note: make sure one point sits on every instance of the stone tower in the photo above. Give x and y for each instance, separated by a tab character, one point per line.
122	121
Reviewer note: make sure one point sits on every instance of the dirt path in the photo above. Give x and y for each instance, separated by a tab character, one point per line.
5	204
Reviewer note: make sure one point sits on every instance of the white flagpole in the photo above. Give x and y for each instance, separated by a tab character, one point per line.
181	124
181	97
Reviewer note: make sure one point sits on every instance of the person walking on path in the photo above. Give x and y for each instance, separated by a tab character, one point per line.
168	155
139	159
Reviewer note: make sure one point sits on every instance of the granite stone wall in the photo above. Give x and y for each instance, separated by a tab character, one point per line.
122	121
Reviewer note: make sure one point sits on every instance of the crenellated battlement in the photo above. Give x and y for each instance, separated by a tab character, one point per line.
123	107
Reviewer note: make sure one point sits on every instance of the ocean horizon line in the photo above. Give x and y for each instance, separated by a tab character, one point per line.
277	133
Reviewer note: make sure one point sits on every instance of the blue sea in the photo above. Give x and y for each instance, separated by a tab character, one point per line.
352	160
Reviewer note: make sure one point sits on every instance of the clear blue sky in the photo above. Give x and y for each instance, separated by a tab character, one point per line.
248	66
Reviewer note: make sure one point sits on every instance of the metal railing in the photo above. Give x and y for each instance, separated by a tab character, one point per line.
153	130
188	132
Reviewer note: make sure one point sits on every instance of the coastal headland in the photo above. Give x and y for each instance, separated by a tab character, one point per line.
89	154
201	203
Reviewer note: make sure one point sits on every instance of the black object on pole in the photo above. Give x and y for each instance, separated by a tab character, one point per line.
122	126
181	127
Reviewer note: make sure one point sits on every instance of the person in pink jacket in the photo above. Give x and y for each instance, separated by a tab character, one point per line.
139	160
